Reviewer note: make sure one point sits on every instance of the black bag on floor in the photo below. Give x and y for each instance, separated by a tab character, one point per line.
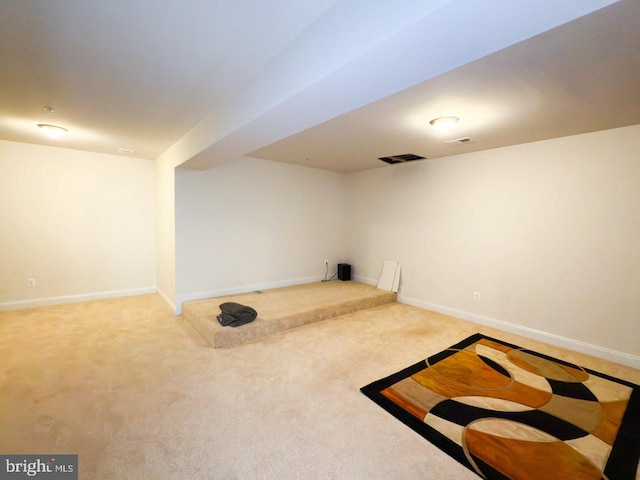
233	314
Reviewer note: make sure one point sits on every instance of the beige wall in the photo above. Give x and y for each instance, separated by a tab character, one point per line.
186	147
82	224
250	223
165	230
548	234
545	232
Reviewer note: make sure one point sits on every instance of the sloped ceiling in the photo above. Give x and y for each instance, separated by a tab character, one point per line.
581	77
135	74
327	84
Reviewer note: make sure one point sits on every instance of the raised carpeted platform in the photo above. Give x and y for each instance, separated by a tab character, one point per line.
283	308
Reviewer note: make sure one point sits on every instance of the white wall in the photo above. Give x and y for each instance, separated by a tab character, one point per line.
165	230
548	234
82	224
250	223
165	165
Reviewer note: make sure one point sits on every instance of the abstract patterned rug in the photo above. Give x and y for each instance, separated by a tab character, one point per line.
510	413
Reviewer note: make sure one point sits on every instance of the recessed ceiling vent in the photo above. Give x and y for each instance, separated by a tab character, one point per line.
405	157
459	141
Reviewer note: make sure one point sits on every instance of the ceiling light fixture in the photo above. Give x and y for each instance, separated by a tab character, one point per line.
444	123
52	131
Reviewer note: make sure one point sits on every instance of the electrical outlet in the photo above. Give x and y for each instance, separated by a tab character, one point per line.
476	296
31	282
326	262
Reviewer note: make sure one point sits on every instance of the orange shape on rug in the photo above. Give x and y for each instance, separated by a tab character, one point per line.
466	374
612	414
530	460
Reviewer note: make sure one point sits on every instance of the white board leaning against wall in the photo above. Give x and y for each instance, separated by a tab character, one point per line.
390	277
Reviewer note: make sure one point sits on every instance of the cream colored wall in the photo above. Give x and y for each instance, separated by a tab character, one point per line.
82	224
165	230
548	234
186	147
250	224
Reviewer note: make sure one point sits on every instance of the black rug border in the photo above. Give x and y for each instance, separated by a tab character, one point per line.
625	453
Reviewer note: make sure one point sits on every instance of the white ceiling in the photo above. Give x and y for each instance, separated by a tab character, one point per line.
581	77
324	83
134	74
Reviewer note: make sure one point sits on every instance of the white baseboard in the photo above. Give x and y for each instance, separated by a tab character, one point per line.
550	338
186	297
368	281
85	297
167	300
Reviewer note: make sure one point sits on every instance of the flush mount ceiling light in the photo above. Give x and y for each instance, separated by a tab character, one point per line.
52	131
444	123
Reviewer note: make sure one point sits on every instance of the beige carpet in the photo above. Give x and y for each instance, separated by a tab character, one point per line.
283	308
138	394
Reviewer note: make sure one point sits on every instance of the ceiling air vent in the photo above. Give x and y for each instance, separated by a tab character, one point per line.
405	157
459	141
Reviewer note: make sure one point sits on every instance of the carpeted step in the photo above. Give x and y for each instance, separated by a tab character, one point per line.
283	308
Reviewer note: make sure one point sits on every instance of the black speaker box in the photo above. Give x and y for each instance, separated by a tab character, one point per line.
344	271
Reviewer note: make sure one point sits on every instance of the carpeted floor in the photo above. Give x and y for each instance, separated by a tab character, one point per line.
283	308
137	393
